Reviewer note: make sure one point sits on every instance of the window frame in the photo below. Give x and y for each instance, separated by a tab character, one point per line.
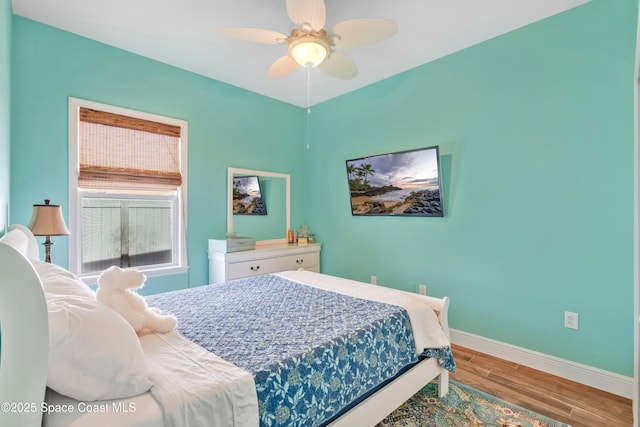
76	194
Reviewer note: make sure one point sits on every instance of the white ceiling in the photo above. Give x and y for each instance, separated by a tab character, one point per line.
184	34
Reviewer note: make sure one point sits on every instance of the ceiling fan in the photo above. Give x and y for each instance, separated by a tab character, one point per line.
310	45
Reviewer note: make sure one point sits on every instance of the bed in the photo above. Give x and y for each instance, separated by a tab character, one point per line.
350	365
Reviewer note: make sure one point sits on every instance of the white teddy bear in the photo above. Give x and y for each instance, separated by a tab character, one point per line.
115	289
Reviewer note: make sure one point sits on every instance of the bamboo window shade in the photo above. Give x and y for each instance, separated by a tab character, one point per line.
125	152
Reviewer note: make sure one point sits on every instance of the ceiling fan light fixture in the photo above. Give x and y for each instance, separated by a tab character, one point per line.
309	50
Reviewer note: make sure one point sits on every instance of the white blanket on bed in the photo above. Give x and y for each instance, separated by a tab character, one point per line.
427	331
196	388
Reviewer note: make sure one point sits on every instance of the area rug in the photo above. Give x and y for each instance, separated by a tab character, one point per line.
463	406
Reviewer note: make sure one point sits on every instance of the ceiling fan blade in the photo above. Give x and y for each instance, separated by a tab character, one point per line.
339	65
361	32
257	35
307	13
282	67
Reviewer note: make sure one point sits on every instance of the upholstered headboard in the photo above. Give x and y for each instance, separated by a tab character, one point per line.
25	329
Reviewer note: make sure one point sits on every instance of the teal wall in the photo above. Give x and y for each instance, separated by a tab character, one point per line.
535	130
5	113
227	127
536	135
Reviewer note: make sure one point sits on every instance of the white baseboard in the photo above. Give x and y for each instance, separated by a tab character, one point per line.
584	374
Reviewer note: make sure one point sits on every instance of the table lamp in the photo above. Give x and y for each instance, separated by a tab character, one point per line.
47	220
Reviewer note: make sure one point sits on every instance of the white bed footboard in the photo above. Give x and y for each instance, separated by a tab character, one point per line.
25	337
441	307
373	409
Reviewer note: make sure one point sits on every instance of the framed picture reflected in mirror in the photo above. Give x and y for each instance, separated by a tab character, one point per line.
248	196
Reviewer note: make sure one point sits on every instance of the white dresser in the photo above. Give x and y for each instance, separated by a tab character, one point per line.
263	260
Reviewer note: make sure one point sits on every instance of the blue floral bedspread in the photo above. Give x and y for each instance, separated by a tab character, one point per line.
311	352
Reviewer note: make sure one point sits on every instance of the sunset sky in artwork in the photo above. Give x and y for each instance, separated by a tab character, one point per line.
405	169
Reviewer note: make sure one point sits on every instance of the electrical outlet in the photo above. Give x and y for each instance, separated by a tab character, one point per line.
571	320
374	280
422	289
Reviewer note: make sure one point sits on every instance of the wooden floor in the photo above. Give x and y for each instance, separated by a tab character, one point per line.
554	397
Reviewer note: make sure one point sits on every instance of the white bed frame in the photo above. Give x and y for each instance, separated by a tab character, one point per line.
25	343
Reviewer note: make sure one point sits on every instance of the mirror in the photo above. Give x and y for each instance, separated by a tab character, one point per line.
270	228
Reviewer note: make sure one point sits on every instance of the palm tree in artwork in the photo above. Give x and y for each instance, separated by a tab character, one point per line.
351	170
366	169
236	188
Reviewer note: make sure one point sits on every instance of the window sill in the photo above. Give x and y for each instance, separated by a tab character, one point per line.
92	279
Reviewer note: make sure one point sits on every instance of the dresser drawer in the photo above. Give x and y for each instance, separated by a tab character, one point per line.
252	268
264	259
308	261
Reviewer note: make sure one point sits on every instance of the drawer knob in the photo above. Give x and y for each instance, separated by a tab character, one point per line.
256	268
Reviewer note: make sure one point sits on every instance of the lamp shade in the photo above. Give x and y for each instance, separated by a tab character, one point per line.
47	220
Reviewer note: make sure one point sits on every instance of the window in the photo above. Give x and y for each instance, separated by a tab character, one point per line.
127	190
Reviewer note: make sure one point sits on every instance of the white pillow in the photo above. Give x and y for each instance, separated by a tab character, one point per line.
57	280
94	354
17	240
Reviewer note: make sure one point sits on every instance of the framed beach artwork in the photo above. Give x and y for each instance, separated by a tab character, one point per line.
404	183
247	196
